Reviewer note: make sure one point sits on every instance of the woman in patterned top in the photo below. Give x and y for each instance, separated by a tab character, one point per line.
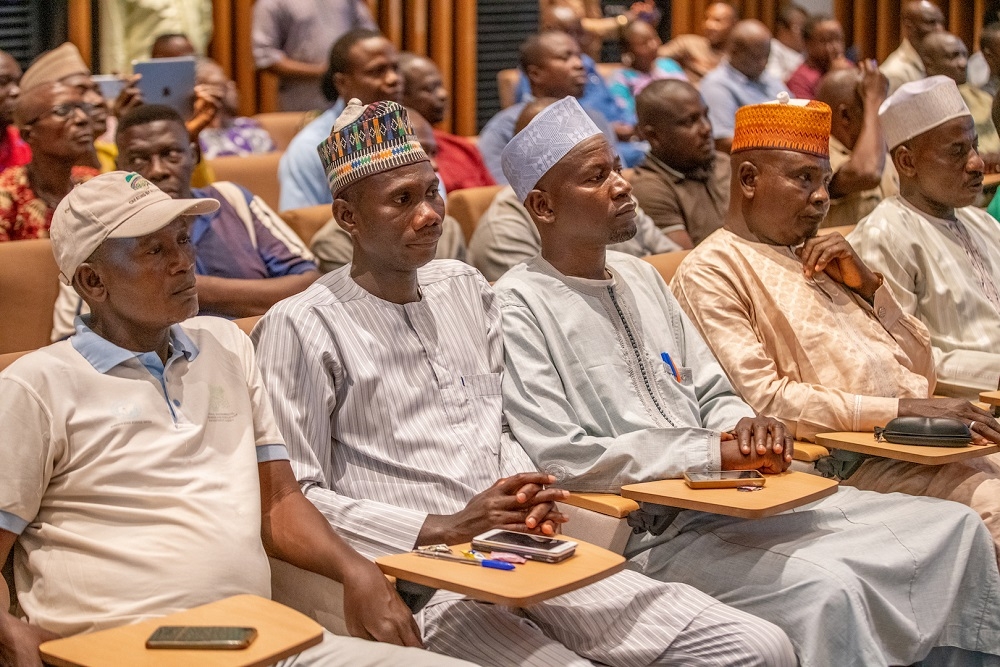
639	43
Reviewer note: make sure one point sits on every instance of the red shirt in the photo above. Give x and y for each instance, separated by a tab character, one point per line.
804	82
459	163
23	215
13	151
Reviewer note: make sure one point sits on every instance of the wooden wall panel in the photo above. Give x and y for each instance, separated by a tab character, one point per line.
80	28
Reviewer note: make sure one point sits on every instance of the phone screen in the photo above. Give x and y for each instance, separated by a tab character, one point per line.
525	540
723	475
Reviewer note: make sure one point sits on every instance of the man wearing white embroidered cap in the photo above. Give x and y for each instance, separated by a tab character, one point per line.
608	383
143	473
939	254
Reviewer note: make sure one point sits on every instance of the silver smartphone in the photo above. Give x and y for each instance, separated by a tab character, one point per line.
532	547
168	81
723	479
204	637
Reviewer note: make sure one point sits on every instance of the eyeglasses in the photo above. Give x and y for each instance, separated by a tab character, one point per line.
64	111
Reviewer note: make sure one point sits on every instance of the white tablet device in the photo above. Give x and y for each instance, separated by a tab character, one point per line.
168	81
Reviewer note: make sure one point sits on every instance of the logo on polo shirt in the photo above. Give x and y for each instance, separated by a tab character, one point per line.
126	413
219	407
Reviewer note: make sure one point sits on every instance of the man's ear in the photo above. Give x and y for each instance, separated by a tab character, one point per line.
902	159
646	132
532	73
344	214
88	284
339	79
748	174
539	207
25	132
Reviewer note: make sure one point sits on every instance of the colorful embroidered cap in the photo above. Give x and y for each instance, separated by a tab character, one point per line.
55	65
787	124
543	142
116	205
368	140
919	106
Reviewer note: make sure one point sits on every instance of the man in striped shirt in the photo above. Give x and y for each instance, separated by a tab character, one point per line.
385	377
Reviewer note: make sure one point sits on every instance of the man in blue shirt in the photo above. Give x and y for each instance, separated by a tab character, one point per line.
248	259
554	66
739	80
363	65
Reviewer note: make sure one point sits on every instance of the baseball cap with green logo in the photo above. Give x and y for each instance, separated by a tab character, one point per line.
116	205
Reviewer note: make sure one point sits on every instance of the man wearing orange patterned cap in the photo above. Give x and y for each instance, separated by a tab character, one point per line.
608	383
805	330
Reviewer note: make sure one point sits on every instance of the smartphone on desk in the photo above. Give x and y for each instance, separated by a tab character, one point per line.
532	547
203	637
723	479
168	81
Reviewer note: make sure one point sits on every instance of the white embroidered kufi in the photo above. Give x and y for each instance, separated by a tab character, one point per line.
919	106
546	140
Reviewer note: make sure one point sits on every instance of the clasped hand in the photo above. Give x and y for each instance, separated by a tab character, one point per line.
833	255
757	443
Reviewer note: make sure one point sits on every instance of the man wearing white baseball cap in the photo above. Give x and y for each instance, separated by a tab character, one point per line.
939	253
142	472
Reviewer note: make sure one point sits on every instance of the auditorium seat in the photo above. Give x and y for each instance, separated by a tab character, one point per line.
507	80
29	283
469	204
305	222
257	173
282	125
667	263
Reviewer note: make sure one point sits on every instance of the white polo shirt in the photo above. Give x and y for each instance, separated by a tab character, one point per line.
134	486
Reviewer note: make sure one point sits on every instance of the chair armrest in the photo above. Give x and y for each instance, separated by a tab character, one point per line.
809	452
608	504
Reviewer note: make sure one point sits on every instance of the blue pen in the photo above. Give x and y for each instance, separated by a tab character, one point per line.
493	564
670	364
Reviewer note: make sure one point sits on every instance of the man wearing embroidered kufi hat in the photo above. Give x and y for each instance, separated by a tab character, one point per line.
608	383
818	340
939	253
385	377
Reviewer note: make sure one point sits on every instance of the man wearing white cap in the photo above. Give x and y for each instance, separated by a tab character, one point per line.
608	383
939	254
142	472
385	377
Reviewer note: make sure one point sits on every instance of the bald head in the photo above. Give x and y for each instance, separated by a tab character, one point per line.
749	48
674	120
840	90
423	87
720	17
944	53
921	18
530	110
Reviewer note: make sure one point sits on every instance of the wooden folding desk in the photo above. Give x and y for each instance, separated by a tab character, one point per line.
525	585
779	493
990	398
281	632
865	443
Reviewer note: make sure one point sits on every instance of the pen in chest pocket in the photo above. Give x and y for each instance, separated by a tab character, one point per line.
670	364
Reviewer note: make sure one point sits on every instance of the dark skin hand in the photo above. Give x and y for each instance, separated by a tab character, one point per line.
985	428
520	503
129	98
833	255
757	443
19	641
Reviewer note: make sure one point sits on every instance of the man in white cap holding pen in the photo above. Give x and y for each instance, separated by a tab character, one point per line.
385	378
939	254
608	383
141	471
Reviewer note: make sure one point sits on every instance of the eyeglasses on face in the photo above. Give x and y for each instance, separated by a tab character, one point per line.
64	111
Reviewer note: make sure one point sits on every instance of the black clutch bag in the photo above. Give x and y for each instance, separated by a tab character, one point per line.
927	431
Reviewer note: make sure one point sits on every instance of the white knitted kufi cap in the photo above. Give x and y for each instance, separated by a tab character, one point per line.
546	140
919	106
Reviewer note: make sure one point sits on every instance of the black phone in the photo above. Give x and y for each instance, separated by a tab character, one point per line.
219	637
